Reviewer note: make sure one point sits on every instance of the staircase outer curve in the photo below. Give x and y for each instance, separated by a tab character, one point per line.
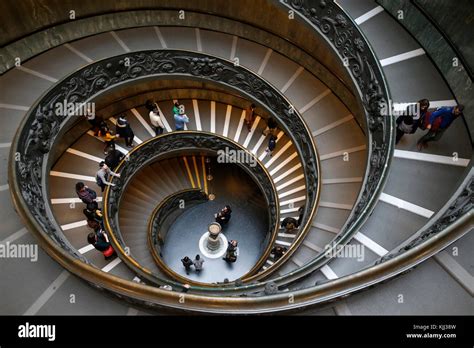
374	128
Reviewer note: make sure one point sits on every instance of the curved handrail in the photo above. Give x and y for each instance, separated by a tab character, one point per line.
161	214
331	22
342	287
164	146
48	233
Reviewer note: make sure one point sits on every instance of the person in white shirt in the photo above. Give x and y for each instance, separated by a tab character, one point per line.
156	121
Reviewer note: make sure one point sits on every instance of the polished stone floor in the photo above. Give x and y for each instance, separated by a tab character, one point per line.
248	225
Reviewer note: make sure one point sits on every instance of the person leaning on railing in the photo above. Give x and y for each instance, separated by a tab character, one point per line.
102	175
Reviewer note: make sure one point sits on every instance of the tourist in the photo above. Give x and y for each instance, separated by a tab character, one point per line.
180	119
271	145
439	121
107	136
250	116
176	108
101	243
85	194
102	175
155	120
149	105
124	130
224	215
412	118
94	225
113	158
93	213
289	224
232	251
300	216
187	263
278	251
272	127
198	263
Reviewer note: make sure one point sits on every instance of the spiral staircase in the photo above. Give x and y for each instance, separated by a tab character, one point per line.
335	158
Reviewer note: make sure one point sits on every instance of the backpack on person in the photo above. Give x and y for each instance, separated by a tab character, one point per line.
98	180
272	143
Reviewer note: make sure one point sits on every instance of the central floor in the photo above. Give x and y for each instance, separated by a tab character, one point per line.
248	225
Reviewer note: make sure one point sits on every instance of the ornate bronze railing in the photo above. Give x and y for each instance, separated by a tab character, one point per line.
39	130
174	144
331	22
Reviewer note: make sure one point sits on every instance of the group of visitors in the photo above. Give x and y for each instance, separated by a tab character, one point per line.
222	217
123	130
156	117
188	263
418	116
103	174
98	238
113	157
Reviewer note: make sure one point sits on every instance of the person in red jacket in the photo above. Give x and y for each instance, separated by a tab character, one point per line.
439	121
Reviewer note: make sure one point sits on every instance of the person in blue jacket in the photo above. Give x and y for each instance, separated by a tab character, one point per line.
180	119
439	121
